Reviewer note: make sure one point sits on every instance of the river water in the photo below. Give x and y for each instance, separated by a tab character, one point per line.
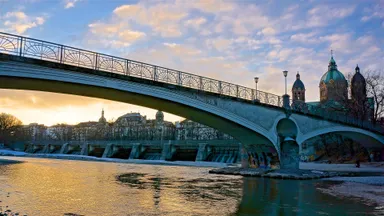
47	187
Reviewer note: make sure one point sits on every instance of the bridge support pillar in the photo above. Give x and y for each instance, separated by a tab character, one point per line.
168	151
289	154
203	152
64	148
51	148
137	149
29	148
244	157
46	149
109	151
84	149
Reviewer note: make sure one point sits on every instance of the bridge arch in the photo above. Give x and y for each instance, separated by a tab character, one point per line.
366	138
27	76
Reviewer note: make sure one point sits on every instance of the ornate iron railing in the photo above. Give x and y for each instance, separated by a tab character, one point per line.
38	49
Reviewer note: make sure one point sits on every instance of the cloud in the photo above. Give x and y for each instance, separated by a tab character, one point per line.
268	31
304	37
342	43
19	22
323	14
70	3
162	18
113	35
196	23
220	44
376	11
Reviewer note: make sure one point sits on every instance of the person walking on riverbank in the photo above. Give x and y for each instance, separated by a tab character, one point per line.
372	157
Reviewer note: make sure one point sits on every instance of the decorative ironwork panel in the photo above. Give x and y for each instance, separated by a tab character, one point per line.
228	89
190	80
119	65
41	50
166	75
9	44
78	58
138	69
245	93
210	85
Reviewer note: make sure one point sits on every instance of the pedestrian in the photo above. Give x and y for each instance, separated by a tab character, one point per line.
372	156
358	163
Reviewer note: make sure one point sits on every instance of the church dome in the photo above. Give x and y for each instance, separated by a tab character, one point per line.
298	84
332	73
357	77
159	116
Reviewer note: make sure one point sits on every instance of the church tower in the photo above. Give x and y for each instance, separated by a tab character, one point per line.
102	118
298	89
358	87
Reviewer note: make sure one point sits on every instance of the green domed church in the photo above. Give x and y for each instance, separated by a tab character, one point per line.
333	85
333	88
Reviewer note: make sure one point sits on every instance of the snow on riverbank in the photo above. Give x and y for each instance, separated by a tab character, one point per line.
341	167
371	194
6	152
371	180
368	188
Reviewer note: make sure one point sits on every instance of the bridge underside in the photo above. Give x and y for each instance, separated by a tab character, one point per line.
363	139
244	135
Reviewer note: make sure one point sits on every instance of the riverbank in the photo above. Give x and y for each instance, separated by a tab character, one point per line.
369	190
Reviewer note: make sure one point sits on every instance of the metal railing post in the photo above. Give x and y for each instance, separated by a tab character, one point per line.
179	78
155	73
96	60
61	53
21	47
128	73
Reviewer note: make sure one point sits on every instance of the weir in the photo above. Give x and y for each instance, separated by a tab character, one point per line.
219	152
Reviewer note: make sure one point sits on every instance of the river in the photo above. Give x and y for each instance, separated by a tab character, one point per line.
63	187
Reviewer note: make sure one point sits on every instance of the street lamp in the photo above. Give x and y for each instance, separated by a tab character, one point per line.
256	81
285	75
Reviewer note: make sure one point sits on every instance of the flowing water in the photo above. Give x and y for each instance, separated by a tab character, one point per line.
63	187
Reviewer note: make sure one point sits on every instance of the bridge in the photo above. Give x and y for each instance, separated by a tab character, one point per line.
263	123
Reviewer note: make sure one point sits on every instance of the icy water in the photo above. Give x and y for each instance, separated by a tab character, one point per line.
62	187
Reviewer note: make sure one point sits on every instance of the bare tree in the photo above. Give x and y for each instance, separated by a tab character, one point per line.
375	88
9	125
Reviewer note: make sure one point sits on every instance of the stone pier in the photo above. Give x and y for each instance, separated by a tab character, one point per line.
203	152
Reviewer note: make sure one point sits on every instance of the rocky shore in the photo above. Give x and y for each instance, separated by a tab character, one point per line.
295	174
7	161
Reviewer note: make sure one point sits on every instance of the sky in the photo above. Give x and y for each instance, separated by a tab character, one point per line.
227	40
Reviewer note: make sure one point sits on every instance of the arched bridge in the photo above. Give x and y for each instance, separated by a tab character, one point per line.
250	116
